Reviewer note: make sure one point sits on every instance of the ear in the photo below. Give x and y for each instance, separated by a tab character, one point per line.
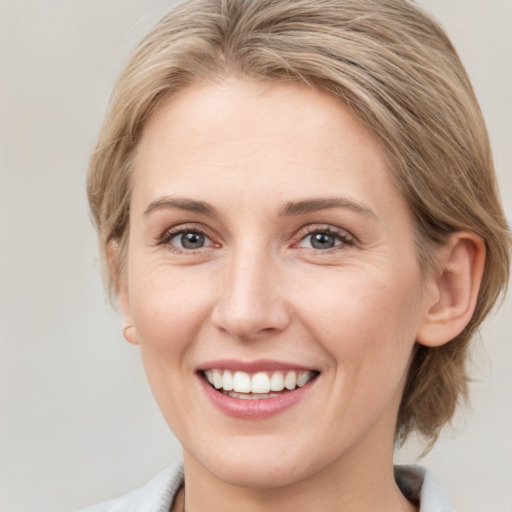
123	298
460	267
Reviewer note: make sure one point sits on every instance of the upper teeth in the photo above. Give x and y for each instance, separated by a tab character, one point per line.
260	382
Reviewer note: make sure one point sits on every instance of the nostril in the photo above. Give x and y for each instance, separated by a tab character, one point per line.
254	323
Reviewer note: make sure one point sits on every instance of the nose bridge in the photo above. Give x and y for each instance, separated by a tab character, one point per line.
250	300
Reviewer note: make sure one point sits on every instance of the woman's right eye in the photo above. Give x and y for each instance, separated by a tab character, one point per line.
187	239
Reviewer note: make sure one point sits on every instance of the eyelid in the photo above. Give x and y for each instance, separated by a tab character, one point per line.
170	233
345	237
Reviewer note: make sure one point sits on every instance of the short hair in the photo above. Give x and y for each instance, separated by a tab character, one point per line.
393	66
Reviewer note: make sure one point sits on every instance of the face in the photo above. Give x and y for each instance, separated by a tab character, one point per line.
272	282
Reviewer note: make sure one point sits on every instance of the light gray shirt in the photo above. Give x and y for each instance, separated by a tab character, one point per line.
415	482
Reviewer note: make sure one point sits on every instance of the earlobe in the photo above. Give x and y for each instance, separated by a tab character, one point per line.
455	289
130	334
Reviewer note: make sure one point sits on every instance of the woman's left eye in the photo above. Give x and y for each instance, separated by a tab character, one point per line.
324	239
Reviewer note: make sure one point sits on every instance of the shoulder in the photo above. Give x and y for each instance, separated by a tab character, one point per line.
156	496
419	485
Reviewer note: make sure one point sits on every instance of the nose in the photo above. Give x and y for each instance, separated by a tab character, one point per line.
252	300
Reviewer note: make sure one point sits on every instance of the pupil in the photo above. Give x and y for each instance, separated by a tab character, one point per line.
322	241
192	240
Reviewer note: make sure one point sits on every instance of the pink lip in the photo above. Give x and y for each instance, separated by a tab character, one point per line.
253	409
260	365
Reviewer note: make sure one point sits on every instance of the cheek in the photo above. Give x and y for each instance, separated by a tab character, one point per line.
169	308
363	319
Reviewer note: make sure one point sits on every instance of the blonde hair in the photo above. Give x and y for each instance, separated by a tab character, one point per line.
397	71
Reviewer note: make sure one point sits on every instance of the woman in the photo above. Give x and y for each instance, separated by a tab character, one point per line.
299	218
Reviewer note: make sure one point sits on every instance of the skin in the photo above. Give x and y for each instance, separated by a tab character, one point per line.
258	289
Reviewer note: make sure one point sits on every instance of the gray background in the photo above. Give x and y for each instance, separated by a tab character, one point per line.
78	424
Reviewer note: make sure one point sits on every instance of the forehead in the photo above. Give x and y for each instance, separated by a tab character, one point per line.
253	141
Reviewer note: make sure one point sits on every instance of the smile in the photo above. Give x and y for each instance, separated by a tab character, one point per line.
259	385
255	390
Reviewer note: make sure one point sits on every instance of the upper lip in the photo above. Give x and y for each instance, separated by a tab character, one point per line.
260	365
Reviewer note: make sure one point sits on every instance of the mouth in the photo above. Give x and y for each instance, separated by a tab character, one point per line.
259	385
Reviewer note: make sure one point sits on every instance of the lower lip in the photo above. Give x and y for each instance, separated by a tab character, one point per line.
256	408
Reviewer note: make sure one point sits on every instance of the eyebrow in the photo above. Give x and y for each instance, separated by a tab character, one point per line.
313	205
189	205
293	208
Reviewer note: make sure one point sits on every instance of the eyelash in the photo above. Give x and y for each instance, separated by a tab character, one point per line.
166	238
342	236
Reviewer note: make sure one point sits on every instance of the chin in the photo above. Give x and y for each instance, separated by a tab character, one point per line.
258	474
265	465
